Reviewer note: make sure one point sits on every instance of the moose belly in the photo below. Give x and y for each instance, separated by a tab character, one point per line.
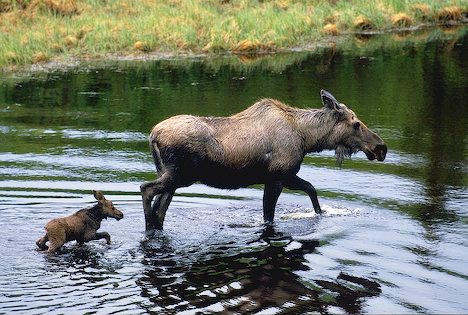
219	176
228	179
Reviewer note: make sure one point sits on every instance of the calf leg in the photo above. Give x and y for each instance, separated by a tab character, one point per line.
55	244
297	183
41	243
162	185
270	197
102	235
57	238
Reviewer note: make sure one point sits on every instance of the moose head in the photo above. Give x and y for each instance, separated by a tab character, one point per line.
106	206
350	134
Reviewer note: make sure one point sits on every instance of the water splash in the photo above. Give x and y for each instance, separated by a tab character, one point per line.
327	210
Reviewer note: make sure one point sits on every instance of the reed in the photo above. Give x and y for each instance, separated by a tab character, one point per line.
42	30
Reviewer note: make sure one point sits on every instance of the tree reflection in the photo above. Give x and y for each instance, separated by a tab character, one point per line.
443	118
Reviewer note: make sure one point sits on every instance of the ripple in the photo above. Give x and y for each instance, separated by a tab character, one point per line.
215	253
100	134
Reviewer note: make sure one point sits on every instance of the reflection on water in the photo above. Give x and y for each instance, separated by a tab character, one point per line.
261	278
392	238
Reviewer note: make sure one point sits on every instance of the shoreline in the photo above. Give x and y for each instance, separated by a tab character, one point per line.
337	42
41	31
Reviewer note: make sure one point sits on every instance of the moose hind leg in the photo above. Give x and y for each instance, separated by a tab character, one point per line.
55	244
297	183
159	208
149	190
270	198
57	238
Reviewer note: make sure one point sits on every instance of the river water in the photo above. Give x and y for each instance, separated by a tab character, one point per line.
392	239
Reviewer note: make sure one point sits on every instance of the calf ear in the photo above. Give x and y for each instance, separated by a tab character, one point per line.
99	195
329	100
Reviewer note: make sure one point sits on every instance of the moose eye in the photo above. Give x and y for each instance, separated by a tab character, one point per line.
357	125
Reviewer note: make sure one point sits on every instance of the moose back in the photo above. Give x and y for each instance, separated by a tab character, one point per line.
264	144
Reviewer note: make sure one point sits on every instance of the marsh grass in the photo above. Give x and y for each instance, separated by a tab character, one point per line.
398	43
41	30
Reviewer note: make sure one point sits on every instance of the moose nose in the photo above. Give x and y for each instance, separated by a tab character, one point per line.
380	152
119	215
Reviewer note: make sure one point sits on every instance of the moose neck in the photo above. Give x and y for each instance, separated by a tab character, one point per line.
316	126
95	213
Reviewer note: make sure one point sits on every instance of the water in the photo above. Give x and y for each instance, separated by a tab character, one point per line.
392	239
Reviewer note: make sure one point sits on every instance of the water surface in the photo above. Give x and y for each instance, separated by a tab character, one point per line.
392	239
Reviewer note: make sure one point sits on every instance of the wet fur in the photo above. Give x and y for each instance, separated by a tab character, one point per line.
266	140
81	226
264	144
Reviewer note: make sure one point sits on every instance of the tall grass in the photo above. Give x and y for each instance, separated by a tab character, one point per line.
39	30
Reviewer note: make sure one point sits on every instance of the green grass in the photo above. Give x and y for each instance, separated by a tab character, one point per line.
40	30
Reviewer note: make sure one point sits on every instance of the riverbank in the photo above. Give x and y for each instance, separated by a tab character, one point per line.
38	31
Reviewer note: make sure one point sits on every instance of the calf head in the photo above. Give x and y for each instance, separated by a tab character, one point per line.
106	206
349	134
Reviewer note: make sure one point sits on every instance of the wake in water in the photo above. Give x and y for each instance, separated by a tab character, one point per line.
327	210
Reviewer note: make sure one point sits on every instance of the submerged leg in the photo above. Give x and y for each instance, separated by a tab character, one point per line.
270	197
57	236
297	183
41	243
55	244
158	210
149	190
102	235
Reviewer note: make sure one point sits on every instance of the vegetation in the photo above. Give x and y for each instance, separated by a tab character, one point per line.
33	31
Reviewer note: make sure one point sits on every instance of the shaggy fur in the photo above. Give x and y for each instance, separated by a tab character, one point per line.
80	226
264	144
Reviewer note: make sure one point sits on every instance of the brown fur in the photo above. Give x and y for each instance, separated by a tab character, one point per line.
80	226
264	144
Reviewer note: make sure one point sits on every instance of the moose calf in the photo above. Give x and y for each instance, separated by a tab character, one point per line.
80	226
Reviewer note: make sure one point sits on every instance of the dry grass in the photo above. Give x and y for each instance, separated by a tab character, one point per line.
421	10
56	7
141	46
330	29
251	46
39	57
451	13
70	41
5	6
246	46
402	20
362	23
93	28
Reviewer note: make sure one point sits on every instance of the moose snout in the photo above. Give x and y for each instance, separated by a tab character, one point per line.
118	215
380	152
377	152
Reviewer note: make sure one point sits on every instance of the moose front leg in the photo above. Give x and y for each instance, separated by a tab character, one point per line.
270	197
297	183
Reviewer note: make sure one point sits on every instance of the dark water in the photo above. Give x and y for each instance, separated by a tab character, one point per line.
393	238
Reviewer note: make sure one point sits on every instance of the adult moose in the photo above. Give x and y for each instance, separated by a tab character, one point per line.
264	144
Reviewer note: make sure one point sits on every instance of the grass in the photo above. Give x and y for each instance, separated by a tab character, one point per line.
33	31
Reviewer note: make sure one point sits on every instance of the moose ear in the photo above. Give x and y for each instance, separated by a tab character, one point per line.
99	195
329	100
